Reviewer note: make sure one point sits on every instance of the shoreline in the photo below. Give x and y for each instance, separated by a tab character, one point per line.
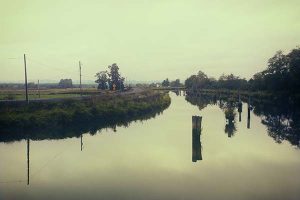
76	114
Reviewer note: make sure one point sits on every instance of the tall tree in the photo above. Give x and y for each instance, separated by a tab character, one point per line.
198	81
175	83
115	80
102	80
294	68
166	83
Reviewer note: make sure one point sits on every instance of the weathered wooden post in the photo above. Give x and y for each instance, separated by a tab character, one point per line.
196	140
249	109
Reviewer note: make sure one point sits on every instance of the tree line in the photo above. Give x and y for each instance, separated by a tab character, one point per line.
281	74
175	83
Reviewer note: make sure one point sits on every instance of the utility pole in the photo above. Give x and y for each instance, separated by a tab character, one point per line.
80	78
39	89
26	86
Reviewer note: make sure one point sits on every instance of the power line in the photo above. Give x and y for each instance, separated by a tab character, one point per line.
50	66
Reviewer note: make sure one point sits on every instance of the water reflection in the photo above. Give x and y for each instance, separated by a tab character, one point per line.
230	128
248	115
177	92
201	101
81	143
144	152
281	117
28	164
196	140
228	108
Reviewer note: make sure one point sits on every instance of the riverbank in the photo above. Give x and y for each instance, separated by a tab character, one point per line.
79	113
261	96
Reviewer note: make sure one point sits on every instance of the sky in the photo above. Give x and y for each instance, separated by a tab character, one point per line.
149	40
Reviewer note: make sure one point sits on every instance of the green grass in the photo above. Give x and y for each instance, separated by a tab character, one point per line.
72	112
35	96
46	93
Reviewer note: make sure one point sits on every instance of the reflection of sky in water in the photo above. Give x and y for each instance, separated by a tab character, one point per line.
152	160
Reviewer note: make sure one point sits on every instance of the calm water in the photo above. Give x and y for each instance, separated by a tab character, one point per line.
154	159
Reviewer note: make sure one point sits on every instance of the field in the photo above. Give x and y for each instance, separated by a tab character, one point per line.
47	93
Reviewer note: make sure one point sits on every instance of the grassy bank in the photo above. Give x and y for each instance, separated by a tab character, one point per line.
107	109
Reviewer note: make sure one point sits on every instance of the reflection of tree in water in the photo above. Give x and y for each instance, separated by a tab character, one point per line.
201	100
281	117
226	104
230	129
282	120
177	92
229	110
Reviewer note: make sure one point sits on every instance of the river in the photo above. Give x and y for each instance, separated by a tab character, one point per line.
158	159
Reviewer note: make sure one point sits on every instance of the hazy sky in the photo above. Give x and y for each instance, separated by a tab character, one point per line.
149	40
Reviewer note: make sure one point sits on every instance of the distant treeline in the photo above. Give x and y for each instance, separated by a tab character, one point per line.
281	74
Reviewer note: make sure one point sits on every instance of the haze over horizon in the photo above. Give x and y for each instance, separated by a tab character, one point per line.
149	40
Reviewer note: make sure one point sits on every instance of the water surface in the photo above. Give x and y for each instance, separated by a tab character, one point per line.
159	159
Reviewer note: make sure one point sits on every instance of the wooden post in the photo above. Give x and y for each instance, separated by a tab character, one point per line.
196	140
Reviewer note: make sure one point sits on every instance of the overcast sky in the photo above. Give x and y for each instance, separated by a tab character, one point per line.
149	40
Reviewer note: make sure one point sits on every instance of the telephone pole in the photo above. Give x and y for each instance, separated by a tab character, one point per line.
39	89
80	78
26	86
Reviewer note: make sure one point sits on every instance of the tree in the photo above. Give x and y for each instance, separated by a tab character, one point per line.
198	81
102	80
232	82
31	85
166	83
278	64
65	83
115	79
282	73
175	83
294	68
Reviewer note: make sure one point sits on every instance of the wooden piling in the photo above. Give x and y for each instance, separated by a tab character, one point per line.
196	140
